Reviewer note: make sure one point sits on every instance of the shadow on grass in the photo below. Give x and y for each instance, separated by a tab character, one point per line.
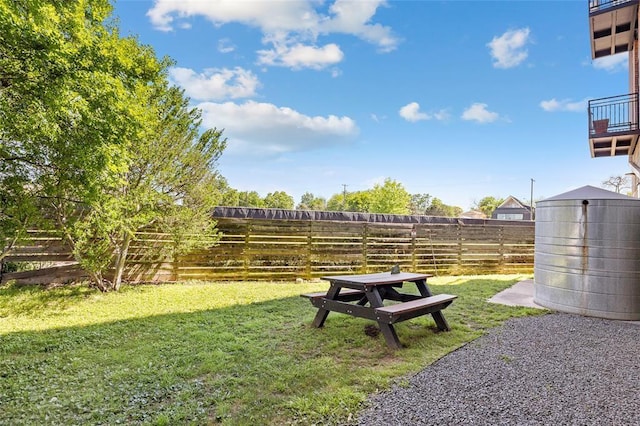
248	364
31	300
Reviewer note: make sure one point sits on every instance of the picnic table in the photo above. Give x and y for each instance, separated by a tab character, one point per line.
364	296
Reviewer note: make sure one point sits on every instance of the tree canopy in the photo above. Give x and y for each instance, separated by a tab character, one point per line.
94	141
390	197
438	208
308	201
278	200
487	205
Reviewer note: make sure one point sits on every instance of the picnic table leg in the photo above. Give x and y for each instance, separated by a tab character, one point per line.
438	317
322	314
389	333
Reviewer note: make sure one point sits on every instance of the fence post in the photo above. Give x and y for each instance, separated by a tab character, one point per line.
414	232
309	270
365	236
175	262
501	249
245	252
461	269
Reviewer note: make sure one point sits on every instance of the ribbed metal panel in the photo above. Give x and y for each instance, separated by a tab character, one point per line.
587	254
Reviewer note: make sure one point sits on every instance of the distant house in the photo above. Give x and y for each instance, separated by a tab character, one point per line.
473	214
512	209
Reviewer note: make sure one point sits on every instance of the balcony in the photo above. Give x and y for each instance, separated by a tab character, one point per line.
613	25
613	125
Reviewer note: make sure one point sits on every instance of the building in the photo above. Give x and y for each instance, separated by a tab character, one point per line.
613	121
473	214
512	209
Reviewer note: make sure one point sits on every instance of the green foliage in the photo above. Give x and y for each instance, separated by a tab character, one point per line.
308	201
359	201
54	79
278	200
438	208
229	353
337	203
93	138
250	199
419	203
228	195
390	197
487	205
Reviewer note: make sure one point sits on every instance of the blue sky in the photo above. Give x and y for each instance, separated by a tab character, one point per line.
457	99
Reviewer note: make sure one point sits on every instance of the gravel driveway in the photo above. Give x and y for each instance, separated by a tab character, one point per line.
554	369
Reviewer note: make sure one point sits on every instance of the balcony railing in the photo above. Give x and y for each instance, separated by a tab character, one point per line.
615	114
602	5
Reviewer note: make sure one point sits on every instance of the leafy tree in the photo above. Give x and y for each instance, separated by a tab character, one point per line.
168	183
337	203
279	200
438	208
390	197
419	203
94	138
359	201
250	199
487	205
228	196
17	208
308	201
56	63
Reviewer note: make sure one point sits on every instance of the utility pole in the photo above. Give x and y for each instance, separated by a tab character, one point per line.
532	214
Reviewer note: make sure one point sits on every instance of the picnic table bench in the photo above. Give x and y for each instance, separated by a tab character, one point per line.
369	291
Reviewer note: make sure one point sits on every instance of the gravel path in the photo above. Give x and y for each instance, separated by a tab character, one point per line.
554	369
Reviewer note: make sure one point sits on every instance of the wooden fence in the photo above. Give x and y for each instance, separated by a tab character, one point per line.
279	249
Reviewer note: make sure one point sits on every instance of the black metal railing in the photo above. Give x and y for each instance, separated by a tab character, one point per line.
614	114
602	5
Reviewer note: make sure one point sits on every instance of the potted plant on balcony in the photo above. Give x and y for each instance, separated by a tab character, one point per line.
600	126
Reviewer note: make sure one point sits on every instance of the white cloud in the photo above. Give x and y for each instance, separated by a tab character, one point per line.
225	46
354	17
268	15
265	129
612	63
478	112
215	84
411	112
300	56
508	50
553	105
296	25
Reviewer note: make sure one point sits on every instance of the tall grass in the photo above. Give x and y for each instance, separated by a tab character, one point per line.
207	353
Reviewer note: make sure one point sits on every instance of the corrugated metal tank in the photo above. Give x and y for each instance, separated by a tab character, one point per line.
587	254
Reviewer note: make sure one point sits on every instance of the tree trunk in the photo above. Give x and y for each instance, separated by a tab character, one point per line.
121	260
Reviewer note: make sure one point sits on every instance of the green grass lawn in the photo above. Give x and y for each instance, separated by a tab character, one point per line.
241	353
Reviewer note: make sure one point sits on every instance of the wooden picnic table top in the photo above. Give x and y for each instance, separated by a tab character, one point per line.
370	292
381	278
